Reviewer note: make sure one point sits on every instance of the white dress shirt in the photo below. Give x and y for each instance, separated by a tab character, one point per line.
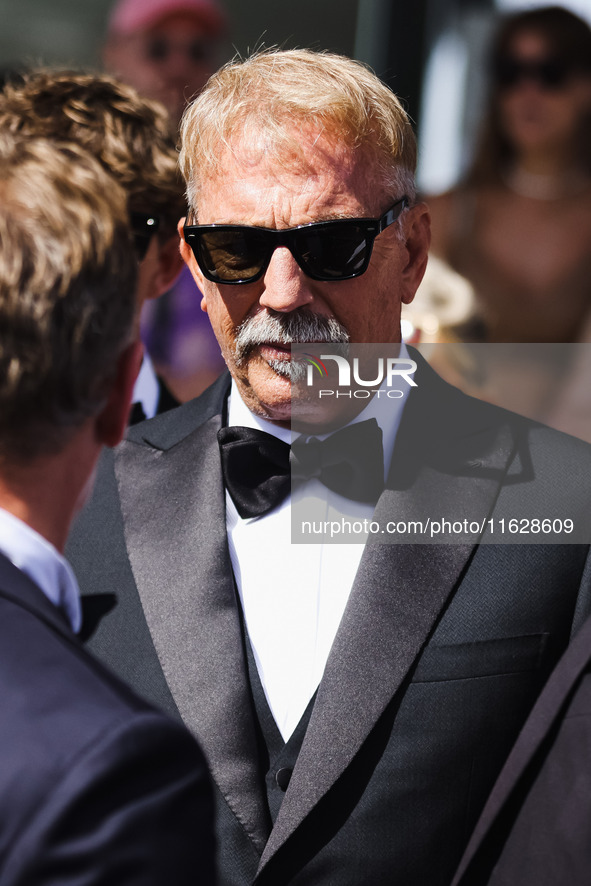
146	390
43	563
293	595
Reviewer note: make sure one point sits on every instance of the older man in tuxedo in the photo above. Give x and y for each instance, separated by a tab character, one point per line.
96	786
355	701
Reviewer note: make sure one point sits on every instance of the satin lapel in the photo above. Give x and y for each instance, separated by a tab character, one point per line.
400	589
174	514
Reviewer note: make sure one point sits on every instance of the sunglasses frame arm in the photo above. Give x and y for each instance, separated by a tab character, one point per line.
393	214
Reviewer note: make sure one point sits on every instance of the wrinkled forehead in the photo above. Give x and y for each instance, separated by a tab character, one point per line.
296	158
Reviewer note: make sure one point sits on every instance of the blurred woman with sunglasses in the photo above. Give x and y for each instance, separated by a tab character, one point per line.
519	226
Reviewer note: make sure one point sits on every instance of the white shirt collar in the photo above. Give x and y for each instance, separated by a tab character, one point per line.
146	390
43	563
239	415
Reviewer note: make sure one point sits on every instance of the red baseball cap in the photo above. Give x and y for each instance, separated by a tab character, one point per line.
129	16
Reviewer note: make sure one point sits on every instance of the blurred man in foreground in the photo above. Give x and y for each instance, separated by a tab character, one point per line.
96	787
355	701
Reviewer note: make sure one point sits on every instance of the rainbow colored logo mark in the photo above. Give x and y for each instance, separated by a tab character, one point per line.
318	364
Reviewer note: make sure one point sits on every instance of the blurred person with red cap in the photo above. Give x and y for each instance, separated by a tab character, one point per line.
166	49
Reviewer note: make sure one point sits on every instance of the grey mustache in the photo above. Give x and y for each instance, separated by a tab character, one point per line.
286	329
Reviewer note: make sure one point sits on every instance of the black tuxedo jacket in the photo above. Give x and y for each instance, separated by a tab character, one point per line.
440	654
96	787
535	827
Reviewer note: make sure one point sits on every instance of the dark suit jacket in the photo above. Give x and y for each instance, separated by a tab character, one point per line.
441	652
97	788
535	827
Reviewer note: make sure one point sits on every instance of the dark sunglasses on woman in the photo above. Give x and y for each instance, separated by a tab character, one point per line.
547	73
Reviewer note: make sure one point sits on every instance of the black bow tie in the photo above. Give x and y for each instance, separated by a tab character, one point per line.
259	468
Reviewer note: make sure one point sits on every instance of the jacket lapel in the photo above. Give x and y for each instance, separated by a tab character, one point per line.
400	589
179	556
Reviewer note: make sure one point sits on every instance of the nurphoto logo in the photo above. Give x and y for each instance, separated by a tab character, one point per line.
383	373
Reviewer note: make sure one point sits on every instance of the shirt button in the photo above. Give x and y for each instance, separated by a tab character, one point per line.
282	777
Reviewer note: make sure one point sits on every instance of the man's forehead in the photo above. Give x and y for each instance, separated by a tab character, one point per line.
319	167
177	23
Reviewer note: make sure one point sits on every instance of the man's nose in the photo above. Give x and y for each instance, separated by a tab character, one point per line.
286	286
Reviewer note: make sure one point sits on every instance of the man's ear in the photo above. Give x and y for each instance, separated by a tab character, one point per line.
191	262
170	264
418	240
111	422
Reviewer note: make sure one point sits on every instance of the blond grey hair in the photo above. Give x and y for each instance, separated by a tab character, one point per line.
67	285
272	93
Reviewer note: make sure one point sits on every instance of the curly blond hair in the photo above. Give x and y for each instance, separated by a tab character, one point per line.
128	134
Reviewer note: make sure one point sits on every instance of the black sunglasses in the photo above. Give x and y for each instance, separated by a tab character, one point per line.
550	73
143	226
159	49
328	251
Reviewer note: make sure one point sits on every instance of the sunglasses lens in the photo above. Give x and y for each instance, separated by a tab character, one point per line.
198	51
143	227
157	49
334	252
507	74
552	75
235	255
549	74
141	243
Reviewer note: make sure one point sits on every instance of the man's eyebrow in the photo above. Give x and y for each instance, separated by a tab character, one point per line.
342	216
330	216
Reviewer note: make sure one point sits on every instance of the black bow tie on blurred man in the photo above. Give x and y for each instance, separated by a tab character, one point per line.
259	469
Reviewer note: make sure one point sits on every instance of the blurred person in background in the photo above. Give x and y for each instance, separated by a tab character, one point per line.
443	303
167	50
129	136
96	787
519	226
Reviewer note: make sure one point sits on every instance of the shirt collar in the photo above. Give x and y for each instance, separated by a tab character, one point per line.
146	390
43	563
